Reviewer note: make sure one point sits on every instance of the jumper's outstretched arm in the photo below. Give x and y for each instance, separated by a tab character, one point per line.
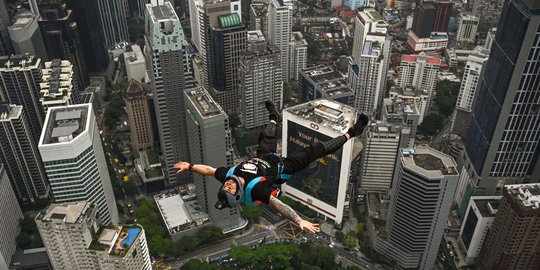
288	212
198	168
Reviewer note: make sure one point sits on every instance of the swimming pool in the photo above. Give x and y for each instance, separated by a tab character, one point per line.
132	234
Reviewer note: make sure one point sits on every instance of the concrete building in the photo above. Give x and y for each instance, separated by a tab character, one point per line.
506	104
112	14
478	220
420	71
513	241
437	41
425	182
26	36
260	80
355	4
140	121
403	110
10	214
20	76
5	43
257	18
280	30
72	151
298	54
468	25
323	82
367	21
490	38
31	259
211	143
20	155
58	86
431	16
196	8
135	63
324	185
75	238
168	65
368	76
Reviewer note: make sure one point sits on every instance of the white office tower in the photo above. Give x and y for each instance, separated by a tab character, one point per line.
196	8
135	63
381	145
10	214
298	54
26	36
165	51
490	38
210	143
75	238
58	86
323	185
478	219
368	76
260	80
468	25
20	156
420	71
367	21
280	18
112	15
425	181
474	69
72	151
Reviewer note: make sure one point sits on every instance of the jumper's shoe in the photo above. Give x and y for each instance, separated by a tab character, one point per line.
358	128
274	114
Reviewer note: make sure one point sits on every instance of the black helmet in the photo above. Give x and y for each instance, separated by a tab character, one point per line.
226	199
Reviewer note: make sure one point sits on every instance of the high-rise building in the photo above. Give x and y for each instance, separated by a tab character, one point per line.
91	33
478	219
5	42
196	9
421	72
367	21
468	25
431	16
355	4
10	214
260	80
26	36
323	82
210	143
112	14
502	142
425	181
72	151
409	101
58	86
490	38
20	155
76	238
60	33
474	70
279	31
257	18
165	47
368	76
135	63
20	76
513	241
324	185
298	57
138	110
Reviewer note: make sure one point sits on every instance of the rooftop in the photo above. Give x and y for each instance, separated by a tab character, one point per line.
133	54
327	113
57	83
19	61
8	111
525	195
65	123
370	15
255	36
67	212
229	20
162	11
179	215
22	19
429	162
416	58
487	205
204	103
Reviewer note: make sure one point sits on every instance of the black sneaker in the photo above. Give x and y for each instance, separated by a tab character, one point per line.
274	114
358	128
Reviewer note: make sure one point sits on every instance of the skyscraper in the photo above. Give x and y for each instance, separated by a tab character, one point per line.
165	51
431	16
5	42
112	14
26	36
367	21
323	82
468	25
298	54
75	162
210	143
196	9
58	86
10	214
279	31
76	238
324	185
425	181
20	155
61	36
502	142
138	110
513	241
135	63
421	72
260	80
20	76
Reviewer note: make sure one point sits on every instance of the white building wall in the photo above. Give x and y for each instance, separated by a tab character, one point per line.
470	82
279	31
10	214
468	25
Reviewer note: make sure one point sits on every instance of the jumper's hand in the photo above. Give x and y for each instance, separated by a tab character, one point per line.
181	166
312	227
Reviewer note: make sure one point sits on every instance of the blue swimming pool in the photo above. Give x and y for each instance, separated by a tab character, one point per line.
132	234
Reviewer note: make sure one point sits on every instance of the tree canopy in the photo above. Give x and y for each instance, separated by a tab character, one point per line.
432	124
447	93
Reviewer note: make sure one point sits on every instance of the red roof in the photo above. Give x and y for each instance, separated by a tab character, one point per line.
433	60
408	58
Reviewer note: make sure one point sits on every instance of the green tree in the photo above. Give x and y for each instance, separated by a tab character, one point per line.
432	124
197	264
446	97
340	236
350	240
360	230
287	93
161	246
210	234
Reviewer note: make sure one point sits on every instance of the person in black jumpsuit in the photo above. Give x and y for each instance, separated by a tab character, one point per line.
254	181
